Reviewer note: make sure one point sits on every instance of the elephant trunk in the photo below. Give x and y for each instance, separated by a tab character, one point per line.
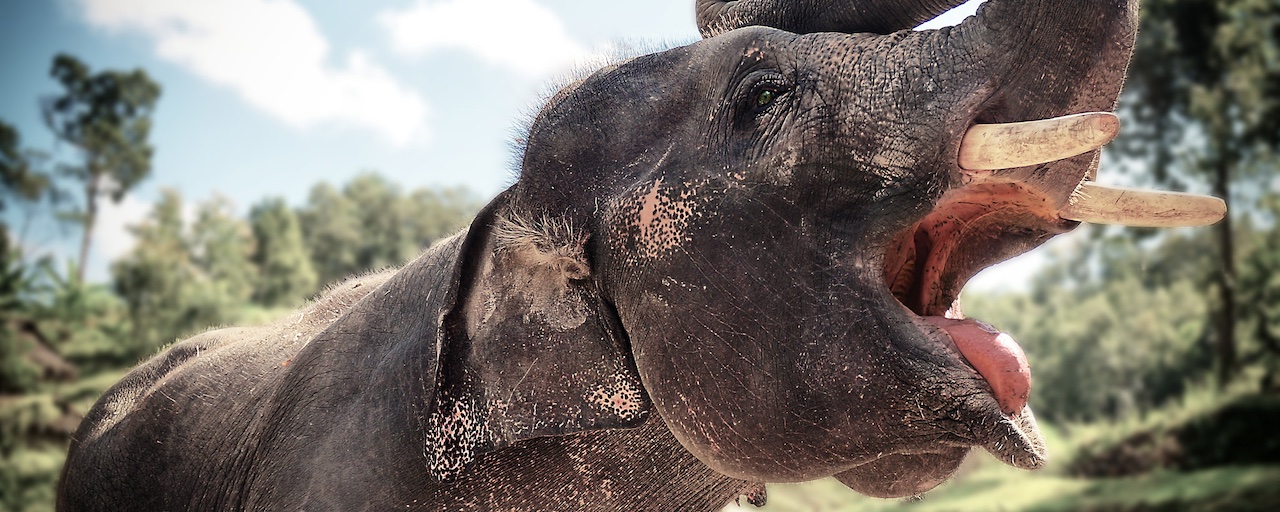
1037	81
1043	60
808	16
1024	93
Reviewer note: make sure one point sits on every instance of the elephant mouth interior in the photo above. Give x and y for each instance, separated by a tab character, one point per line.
928	264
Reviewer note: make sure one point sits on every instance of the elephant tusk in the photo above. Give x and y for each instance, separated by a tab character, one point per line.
1010	145
1102	204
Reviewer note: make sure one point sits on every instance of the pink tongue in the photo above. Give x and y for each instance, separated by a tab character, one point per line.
996	356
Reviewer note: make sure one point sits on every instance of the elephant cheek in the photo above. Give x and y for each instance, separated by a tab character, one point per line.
895	476
653	220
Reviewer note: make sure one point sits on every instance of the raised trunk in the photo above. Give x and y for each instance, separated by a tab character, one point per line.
808	16
1045	59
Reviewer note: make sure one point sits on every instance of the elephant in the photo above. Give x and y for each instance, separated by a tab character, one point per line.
725	264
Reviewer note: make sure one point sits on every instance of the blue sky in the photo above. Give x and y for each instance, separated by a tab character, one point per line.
268	97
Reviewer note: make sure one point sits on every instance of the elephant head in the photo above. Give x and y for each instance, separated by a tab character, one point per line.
761	237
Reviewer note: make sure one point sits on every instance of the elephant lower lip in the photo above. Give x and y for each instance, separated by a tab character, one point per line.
1014	440
1017	441
903	474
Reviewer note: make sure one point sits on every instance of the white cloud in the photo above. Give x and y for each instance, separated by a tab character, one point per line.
111	236
517	34
273	55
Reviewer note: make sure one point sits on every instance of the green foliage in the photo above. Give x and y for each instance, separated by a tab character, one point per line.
1203	87
16	373
162	282
19	176
28	476
371	224
45	315
285	273
1260	298
1204	91
332	229
1235	431
222	245
107	118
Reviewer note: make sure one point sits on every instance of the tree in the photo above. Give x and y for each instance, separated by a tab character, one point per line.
22	178
371	224
1260	292
383	222
177	280
106	117
221	246
23	181
285	275
331	227
437	213
1205	90
154	279
19	177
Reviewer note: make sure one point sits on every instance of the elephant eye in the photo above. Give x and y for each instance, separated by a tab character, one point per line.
765	97
758	95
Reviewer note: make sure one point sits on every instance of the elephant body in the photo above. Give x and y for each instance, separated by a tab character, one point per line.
225	420
724	264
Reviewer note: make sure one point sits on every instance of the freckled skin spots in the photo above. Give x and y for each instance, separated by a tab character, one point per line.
656	221
620	398
452	440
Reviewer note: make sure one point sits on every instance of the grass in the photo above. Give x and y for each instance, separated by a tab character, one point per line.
1200	399
28	475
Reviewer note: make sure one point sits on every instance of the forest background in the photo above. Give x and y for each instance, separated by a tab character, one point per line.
1156	354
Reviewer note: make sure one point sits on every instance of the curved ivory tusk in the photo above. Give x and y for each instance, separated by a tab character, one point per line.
1101	204
1010	145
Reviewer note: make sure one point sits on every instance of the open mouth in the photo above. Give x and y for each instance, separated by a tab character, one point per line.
927	266
992	218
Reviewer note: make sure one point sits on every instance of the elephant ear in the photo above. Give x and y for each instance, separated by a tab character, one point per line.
528	348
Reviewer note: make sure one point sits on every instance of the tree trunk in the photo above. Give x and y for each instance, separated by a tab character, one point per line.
90	216
1226	317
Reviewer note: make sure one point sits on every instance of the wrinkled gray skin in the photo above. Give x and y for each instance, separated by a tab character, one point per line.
682	296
